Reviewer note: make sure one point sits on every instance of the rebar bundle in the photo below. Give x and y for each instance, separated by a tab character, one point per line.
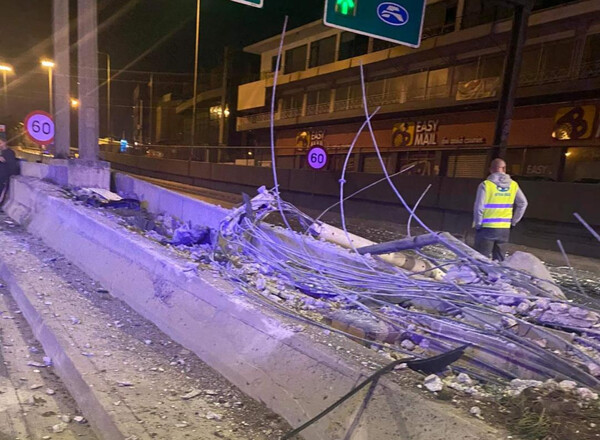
514	328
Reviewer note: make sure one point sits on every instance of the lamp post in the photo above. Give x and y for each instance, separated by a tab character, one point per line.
108	124
50	66
195	73
5	68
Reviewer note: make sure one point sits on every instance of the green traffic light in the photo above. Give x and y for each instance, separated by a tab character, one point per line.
345	7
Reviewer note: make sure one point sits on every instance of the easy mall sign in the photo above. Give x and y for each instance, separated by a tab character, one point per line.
415	133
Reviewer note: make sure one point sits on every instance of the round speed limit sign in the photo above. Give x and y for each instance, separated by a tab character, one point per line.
317	157
40	127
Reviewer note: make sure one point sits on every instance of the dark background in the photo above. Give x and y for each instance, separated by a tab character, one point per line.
142	35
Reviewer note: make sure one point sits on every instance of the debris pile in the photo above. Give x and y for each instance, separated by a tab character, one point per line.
518	325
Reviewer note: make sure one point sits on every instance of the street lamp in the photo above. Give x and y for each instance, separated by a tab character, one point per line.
5	68
74	103
49	64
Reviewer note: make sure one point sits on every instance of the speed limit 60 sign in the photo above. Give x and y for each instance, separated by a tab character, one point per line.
40	127
317	157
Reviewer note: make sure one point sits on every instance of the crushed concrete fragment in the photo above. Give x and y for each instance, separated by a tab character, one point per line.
464	379
517	386
191	394
36	364
586	394
58	428
213	416
433	383
567	385
475	411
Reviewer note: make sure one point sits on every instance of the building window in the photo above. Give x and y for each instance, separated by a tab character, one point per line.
381	45
318	101
290	102
322	52
491	66
439	18
348	97
530	65
295	59
591	56
274	62
352	45
437	84
478	12
556	61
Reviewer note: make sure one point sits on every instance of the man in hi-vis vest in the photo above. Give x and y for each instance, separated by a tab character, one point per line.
493	214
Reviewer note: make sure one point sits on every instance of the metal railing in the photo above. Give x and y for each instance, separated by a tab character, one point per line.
544	76
382	99
590	69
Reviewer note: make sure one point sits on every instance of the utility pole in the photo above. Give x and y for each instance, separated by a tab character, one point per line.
87	51
195	73
62	96
510	79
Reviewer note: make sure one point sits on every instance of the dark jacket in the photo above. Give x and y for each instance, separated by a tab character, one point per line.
10	165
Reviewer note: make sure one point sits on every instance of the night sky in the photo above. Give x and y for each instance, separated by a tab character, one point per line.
128	30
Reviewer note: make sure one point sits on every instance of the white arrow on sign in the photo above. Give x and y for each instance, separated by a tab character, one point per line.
254	3
40	127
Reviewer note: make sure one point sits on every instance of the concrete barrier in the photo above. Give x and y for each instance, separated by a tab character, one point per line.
296	373
447	206
161	200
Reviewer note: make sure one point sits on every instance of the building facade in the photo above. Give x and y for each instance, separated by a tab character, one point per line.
437	104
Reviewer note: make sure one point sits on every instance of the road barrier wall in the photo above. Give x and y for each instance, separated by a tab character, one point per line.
447	205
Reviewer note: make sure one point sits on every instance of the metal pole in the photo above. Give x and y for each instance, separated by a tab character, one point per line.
195	73
108	124
5	87
223	97
510	80
50	91
151	84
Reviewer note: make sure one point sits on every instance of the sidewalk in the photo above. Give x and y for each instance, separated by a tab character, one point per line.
34	403
131	380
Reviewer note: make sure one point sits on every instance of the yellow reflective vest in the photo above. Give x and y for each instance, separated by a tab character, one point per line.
498	207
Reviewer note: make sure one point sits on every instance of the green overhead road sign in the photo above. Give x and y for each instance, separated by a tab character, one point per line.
398	21
255	3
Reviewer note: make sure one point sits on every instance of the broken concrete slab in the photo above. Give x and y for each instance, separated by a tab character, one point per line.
532	265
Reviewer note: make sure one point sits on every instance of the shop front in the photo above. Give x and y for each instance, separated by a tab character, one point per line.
556	142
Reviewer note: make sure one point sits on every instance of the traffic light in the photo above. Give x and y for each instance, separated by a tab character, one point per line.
345	7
